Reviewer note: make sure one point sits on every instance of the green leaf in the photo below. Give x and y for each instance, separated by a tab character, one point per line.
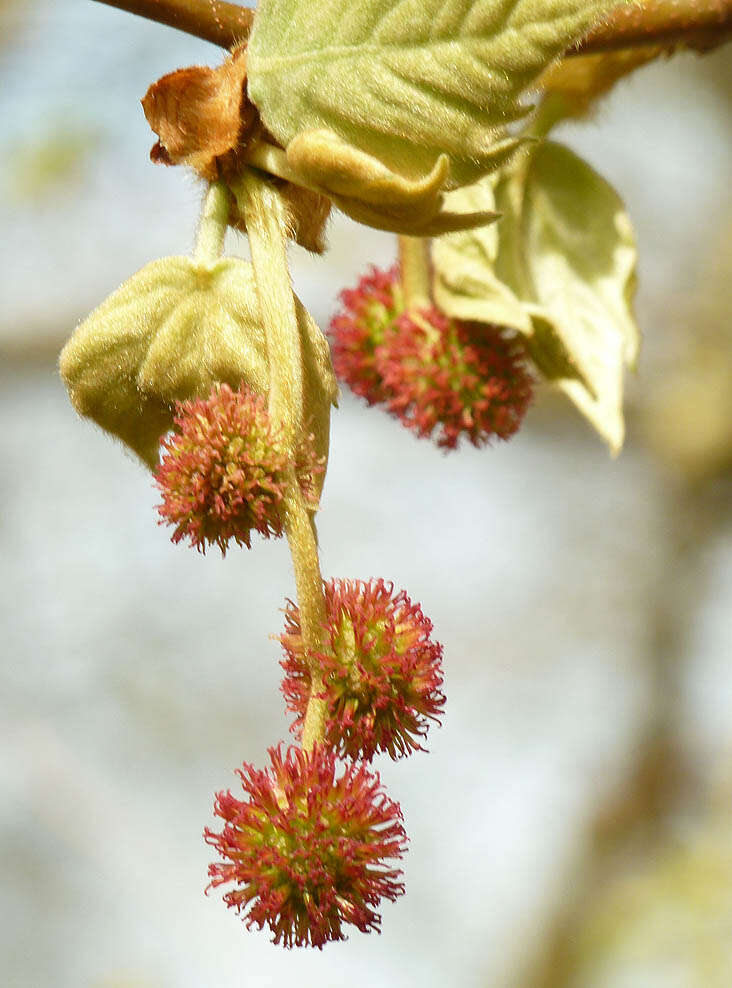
366	190
465	284
561	270
169	333
407	81
363	188
320	388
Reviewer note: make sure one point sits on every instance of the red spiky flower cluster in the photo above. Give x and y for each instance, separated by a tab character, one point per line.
441	377
381	670
222	473
308	851
368	313
453	379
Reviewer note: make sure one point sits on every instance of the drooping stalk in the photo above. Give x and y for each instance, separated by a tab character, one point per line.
212	225
414	260
266	222
267	230
416	278
301	536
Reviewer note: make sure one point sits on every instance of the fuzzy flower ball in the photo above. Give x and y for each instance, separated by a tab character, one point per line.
222	474
381	670
446	379
368	313
441	377
308	851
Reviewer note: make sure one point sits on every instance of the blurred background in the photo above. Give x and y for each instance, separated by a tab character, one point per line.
571	824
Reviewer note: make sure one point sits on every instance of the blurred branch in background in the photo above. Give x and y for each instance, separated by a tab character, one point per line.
638	826
688	420
12	17
52	161
635	862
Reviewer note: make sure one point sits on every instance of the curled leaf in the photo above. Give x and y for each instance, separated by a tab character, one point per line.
560	268
465	284
170	333
325	159
363	188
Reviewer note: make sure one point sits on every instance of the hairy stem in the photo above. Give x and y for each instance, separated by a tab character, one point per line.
267	230
699	24
266	221
311	601
212	225
221	23
414	260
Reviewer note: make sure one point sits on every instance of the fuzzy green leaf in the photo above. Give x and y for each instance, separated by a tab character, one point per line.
320	388
407	81
581	257
562	271
170	333
466	285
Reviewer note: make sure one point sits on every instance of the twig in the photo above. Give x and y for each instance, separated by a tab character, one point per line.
699	24
221	23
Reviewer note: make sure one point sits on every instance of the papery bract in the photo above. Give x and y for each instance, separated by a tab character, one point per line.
202	117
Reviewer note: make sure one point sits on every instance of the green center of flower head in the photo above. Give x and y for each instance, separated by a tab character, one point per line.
361	654
380	670
308	842
381	312
432	333
288	840
344	649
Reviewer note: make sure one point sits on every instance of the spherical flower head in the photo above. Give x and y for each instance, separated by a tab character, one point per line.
308	851
368	314
448	379
380	668
223	471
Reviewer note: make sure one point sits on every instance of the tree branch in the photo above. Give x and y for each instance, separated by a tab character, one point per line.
223	24
698	24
